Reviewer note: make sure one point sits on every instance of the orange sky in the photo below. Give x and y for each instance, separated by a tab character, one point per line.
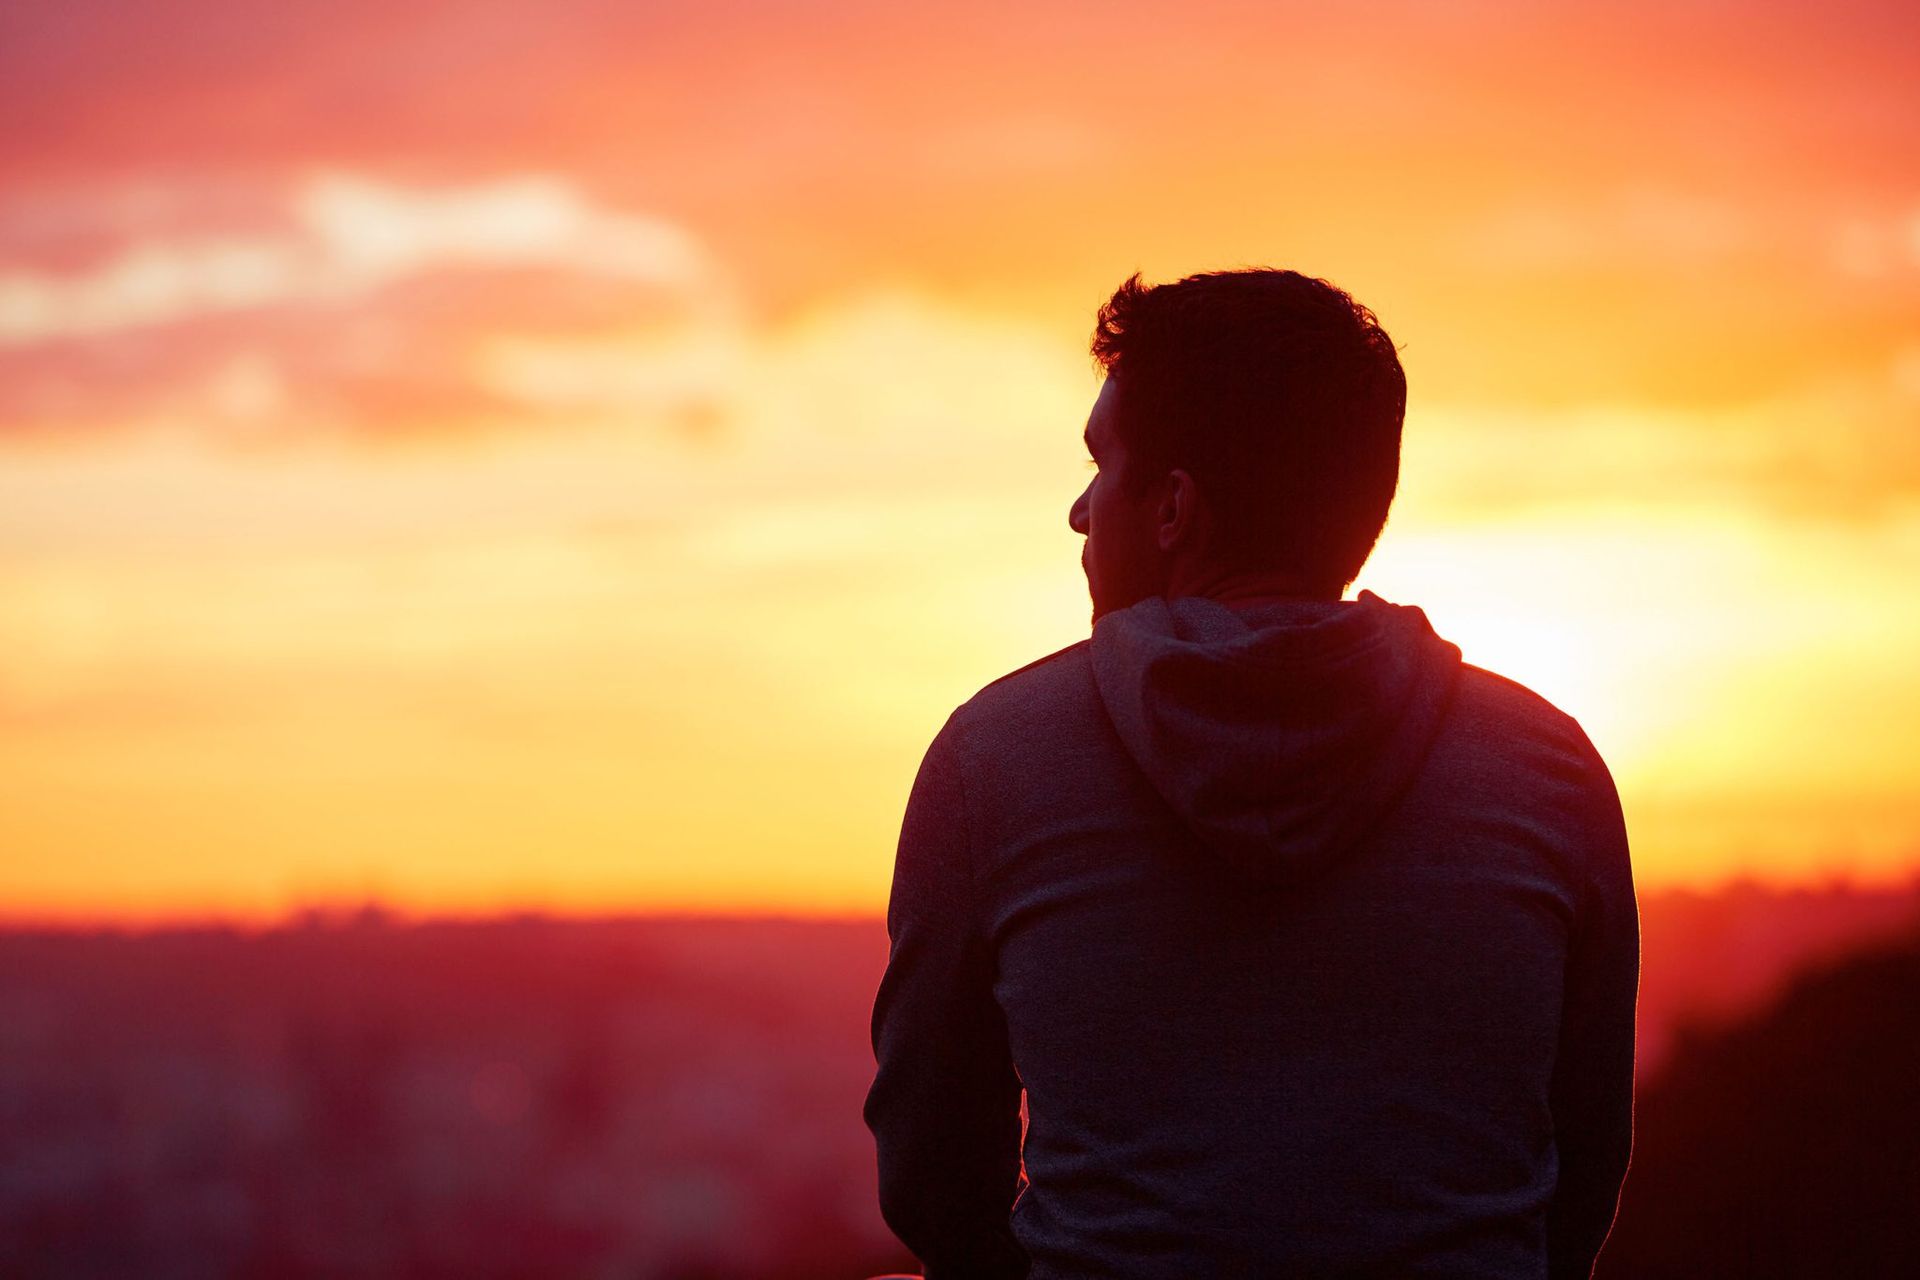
574	456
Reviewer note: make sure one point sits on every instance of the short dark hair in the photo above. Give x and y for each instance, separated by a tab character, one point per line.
1279	394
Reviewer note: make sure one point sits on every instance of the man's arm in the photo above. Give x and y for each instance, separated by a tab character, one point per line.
1592	1091
945	1103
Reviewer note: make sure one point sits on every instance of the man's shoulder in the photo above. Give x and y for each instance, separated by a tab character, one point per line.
1492	706
1045	687
1507	695
1536	754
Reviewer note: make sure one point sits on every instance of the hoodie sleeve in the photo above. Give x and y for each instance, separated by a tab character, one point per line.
1592	1090
944	1106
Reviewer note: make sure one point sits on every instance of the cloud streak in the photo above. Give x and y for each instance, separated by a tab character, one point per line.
374	309
346	237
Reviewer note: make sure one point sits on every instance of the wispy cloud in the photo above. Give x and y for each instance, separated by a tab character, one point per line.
1841	449
1636	223
370	308
1869	246
347	237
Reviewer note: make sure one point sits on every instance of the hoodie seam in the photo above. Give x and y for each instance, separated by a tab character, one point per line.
975	938
1058	654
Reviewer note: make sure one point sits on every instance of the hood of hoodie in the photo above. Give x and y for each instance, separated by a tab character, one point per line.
1280	732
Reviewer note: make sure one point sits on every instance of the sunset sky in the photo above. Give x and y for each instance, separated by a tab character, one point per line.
574	455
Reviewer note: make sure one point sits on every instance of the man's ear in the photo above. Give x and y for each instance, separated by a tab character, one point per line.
1178	516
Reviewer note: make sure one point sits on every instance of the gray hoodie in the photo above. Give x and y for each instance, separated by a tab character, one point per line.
1311	948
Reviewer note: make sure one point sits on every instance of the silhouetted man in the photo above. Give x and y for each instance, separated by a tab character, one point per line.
1314	948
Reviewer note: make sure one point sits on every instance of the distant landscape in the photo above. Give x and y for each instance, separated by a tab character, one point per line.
672	1098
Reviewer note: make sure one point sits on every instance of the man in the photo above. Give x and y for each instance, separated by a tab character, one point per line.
1313	948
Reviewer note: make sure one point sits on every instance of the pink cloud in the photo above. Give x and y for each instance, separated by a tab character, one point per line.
360	307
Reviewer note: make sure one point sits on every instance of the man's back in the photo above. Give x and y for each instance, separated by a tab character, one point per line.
1287	920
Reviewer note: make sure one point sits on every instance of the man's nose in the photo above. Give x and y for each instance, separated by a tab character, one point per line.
1077	515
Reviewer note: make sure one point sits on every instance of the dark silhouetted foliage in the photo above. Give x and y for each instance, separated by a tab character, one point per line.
1786	1145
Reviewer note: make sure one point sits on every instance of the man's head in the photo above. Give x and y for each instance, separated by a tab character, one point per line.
1247	439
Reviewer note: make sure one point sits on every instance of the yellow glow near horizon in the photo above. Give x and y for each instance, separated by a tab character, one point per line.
575	708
